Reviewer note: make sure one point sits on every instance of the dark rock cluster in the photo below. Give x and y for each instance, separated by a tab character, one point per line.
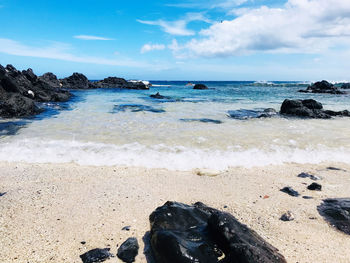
198	233
322	87
309	109
19	90
119	83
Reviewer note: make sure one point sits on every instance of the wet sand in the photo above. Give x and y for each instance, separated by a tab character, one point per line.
49	209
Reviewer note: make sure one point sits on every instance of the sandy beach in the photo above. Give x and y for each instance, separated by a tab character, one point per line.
49	209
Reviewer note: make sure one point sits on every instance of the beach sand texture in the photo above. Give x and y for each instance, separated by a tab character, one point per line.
49	209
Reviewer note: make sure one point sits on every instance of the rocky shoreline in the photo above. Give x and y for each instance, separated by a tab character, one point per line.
20	91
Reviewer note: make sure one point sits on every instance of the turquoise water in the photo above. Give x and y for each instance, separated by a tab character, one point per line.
191	129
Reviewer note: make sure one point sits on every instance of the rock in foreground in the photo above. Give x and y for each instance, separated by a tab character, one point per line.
309	109
322	87
128	250
96	255
337	212
187	234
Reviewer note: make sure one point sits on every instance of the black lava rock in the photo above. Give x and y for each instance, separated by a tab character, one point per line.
20	90
306	175
76	81
14	105
187	234
158	96
336	211
200	86
308	109
244	114
128	250
290	191
96	255
322	87
120	83
315	187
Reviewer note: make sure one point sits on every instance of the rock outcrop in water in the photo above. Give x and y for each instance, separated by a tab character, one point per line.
200	86
323	87
186	234
19	90
243	114
336	211
309	109
345	86
120	83
76	81
79	81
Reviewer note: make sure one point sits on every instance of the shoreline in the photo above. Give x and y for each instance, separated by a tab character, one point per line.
48	209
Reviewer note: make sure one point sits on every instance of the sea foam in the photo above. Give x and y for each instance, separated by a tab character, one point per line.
160	156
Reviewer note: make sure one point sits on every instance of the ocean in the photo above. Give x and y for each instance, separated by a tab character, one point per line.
190	129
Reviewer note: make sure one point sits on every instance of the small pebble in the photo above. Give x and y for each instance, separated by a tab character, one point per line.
287	216
315	187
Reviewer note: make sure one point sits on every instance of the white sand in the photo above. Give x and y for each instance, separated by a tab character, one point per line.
50	208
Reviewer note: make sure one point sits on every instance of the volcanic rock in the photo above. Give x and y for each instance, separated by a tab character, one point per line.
128	250
187	234
200	86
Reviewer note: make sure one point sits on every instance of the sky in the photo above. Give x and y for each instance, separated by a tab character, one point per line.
179	40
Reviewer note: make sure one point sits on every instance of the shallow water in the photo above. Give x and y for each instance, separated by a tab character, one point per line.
127	127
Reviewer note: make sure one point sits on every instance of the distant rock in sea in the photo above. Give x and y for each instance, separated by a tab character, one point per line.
345	86
120	83
323	87
159	97
309	109
200	86
198	233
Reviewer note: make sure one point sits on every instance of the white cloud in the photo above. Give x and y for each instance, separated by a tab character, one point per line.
87	37
151	47
177	27
61	51
209	4
304	26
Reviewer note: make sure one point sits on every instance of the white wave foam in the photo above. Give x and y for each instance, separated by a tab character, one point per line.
160	156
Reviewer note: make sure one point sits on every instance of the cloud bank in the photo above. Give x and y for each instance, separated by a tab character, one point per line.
300	26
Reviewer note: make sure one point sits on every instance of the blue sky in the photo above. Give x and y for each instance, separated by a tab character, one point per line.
179	40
